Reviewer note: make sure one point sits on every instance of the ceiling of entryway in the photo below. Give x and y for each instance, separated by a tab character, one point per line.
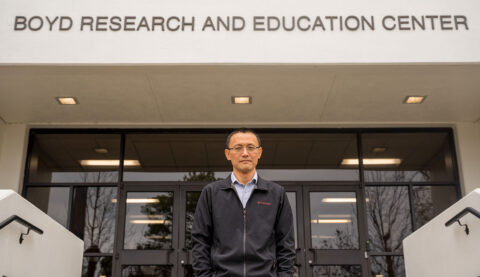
201	94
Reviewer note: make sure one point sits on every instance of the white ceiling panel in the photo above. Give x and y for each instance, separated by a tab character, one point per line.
201	94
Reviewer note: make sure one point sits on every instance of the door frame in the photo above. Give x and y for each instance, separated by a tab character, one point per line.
125	257
300	248
185	254
318	257
179	256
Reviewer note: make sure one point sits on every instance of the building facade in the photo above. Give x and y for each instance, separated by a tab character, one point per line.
157	86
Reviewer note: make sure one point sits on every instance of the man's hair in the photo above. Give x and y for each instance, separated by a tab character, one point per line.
241	130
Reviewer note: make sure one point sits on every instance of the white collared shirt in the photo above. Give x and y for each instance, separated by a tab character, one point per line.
244	192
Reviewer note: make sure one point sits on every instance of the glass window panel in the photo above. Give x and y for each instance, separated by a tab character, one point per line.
191	204
286	157
387	266
97	267
94	210
79	158
146	271
52	201
149	220
337	271
293	204
407	157
333	220
429	201
388	214
171	157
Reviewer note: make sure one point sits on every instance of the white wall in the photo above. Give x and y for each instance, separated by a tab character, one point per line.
12	156
435	250
103	45
57	252
467	136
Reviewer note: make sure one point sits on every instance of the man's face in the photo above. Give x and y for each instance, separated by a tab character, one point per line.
244	161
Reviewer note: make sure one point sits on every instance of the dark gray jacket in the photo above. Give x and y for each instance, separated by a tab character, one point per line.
229	240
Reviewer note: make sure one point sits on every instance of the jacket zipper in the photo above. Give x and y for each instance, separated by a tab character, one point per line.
244	242
244	230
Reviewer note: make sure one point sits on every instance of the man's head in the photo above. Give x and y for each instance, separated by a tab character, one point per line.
243	150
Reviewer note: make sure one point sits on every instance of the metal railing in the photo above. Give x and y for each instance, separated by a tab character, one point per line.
457	217
22	221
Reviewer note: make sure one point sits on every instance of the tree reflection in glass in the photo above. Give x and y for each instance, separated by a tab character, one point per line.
97	267
383	174
99	218
387	266
388	213
146	271
149	220
191	204
337	271
202	176
429	201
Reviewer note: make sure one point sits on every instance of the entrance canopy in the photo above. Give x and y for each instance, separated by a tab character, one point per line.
183	95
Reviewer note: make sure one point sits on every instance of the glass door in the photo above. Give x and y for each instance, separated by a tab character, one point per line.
189	194
155	223
334	231
147	232
294	194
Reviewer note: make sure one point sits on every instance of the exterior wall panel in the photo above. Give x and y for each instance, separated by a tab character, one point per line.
13	156
468	152
265	32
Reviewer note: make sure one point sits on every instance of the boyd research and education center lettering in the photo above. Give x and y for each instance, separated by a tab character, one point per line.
302	23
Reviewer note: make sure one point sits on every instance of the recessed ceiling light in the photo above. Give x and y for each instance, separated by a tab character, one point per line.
414	99
109	162
101	150
320	221
379	149
339	200
241	100
139	200
388	161
67	100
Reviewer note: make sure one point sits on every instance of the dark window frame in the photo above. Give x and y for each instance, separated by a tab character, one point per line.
357	131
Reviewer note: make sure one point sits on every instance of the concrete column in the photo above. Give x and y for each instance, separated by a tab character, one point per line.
13	148
468	153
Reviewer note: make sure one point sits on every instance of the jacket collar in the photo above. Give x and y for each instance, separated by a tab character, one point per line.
227	183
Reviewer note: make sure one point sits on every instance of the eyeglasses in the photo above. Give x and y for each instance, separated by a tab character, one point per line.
239	148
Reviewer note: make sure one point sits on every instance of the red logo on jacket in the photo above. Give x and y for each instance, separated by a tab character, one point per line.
264	203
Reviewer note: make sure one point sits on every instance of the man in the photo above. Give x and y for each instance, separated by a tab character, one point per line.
243	225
